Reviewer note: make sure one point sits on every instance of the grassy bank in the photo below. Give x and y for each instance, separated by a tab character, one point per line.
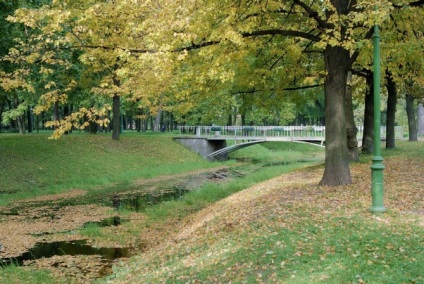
33	165
274	225
288	230
260	162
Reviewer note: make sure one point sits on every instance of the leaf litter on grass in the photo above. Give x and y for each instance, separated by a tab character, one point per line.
210	239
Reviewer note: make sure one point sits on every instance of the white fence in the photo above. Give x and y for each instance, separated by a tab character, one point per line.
270	131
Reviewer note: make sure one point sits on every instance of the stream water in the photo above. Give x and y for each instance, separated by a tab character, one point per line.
135	200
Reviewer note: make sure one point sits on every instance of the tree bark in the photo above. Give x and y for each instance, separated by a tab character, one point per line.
1	112
123	122
65	114
92	129
351	130
116	119
336	170
368	133
29	119
391	112
56	116
138	120
230	120
12	121
20	119
37	122
420	118
171	122
412	123
145	121
156	127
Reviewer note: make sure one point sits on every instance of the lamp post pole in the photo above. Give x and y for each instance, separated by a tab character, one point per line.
377	166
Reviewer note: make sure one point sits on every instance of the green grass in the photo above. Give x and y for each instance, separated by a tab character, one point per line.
212	192
38	166
91	230
33	165
302	245
406	149
275	152
15	275
342	250
285	156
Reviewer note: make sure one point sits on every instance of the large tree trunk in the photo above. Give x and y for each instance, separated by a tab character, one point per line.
12	121
56	116
420	118
116	119
138	120
116	111
391	112
65	114
337	170
21	123
351	130
145	120
171	122
93	127
1	112
29	119
20	119
243	119
368	133
71	109
37	123
410	112
156	127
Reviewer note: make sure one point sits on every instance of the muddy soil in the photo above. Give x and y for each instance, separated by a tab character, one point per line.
45	232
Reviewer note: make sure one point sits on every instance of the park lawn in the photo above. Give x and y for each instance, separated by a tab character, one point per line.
282	229
33	165
289	230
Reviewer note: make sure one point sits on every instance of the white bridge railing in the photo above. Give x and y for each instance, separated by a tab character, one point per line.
313	132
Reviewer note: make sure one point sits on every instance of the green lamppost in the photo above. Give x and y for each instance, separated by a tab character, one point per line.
377	166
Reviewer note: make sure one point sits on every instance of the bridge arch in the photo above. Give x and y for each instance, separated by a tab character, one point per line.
222	154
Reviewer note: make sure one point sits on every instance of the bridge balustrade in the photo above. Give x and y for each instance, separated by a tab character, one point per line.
312	131
254	131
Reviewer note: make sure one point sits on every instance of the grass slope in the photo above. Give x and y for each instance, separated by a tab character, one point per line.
94	162
33	165
289	230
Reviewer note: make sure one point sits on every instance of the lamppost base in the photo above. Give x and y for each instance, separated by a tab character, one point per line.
378	209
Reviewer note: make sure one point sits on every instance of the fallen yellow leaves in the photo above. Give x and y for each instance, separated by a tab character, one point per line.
292	199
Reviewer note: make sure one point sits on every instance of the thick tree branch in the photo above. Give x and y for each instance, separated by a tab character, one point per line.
355	55
273	90
194	46
361	72
283	33
313	14
255	33
410	4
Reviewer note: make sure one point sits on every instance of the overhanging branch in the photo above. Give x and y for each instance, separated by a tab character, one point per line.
410	4
209	43
273	90
253	34
283	33
313	14
355	55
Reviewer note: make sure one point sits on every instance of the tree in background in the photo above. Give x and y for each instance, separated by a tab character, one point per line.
199	56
